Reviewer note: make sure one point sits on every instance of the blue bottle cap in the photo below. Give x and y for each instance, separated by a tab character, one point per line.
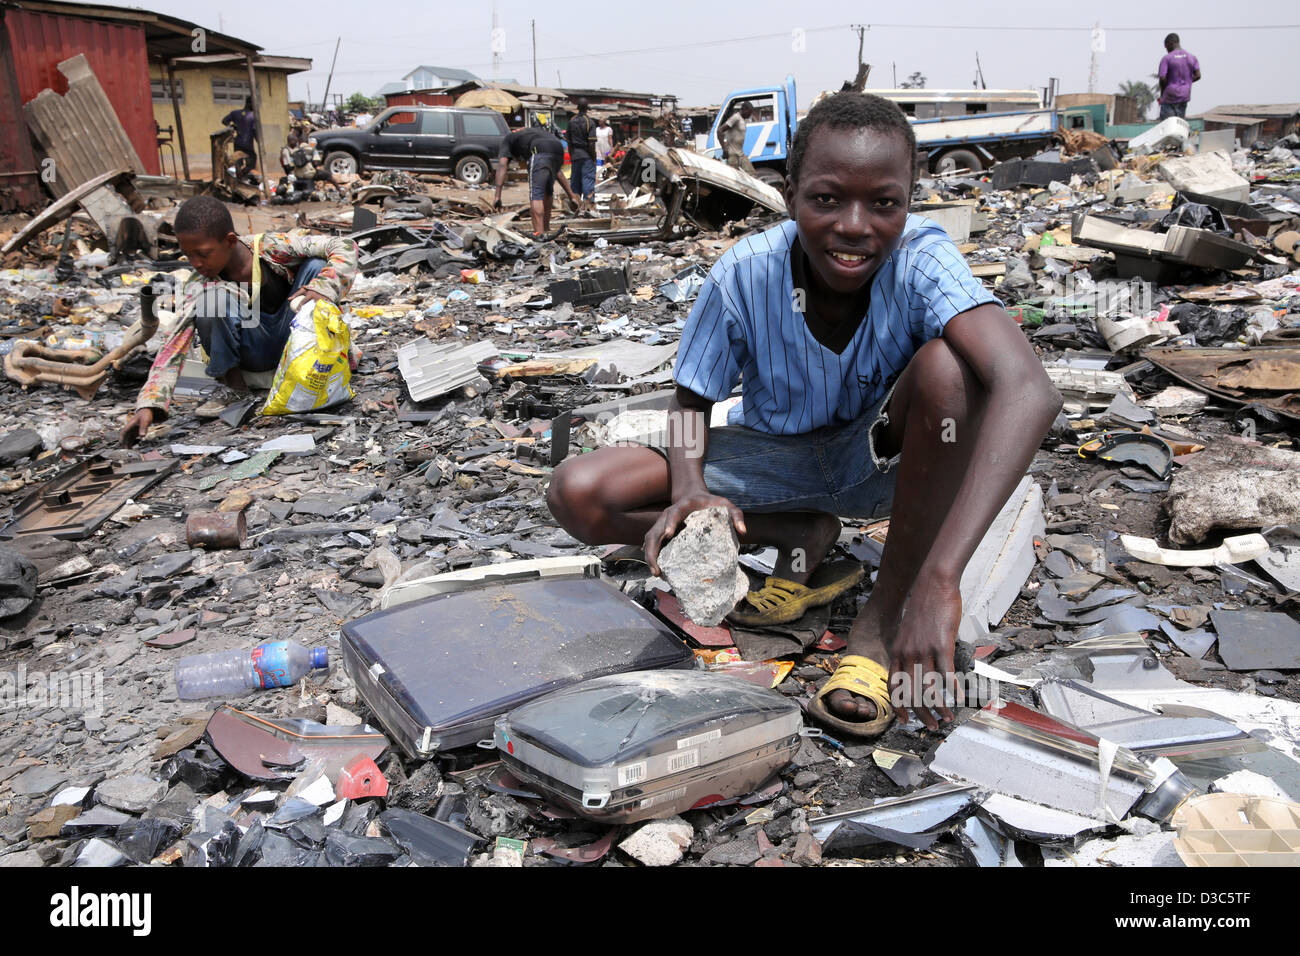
319	658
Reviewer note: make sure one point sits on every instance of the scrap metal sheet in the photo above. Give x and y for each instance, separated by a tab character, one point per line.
74	504
1266	375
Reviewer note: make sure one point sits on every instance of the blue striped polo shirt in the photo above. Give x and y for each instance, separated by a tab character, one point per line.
744	327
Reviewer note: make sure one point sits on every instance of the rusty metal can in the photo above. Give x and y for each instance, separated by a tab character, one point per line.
214	529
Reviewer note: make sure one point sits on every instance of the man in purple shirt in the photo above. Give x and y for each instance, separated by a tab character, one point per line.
1178	71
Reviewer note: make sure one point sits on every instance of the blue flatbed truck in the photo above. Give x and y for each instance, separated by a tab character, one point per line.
944	143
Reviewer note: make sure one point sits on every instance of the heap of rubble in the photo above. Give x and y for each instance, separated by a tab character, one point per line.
1160	310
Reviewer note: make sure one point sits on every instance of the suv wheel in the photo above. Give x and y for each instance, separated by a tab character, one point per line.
341	163
472	170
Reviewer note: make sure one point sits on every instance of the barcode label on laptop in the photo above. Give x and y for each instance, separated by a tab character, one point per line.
632	773
683	761
703	738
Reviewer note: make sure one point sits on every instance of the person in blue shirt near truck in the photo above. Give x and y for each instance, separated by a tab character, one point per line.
879	377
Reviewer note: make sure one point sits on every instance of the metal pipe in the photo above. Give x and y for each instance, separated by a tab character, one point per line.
82	370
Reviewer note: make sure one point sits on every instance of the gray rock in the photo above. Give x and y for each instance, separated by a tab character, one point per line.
809	755
38	781
17	582
806	778
779	829
741	851
700	562
23	858
120	733
99	852
807	851
134	793
242	589
95	820
659	842
166	565
18	445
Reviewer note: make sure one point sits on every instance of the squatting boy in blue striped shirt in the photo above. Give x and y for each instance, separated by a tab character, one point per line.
878	377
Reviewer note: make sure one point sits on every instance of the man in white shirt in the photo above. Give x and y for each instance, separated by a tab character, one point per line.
604	140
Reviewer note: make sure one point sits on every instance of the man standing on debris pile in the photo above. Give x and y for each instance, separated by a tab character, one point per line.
879	377
1178	71
732	133
582	152
244	123
544	154
270	276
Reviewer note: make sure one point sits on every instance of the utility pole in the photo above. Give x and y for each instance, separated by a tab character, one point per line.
1098	45
324	103
979	72
534	25
496	54
860	77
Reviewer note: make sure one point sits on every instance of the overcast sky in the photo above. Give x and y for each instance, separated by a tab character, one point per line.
699	51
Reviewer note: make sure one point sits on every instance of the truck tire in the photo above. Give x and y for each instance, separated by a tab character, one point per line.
341	162
956	159
472	170
770	176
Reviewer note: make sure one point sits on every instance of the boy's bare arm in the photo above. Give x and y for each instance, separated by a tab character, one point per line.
1021	405
688	441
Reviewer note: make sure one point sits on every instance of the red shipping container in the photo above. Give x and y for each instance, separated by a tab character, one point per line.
116	52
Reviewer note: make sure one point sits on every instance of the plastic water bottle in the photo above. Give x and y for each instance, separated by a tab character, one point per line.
232	673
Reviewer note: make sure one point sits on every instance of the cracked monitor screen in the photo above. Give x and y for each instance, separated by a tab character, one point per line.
437	672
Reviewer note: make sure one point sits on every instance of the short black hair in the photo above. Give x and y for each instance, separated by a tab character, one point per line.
582	104
1172	38
204	216
852	111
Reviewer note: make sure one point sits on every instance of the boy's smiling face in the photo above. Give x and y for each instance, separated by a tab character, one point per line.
850	204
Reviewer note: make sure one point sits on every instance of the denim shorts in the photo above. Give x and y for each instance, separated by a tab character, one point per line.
833	469
542	168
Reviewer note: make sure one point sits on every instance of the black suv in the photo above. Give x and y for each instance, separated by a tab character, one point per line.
439	139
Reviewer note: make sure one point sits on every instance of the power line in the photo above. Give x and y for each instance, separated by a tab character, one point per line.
1044	29
564	42
786	34
705	44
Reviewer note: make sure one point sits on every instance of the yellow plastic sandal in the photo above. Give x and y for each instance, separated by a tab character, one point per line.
780	601
864	677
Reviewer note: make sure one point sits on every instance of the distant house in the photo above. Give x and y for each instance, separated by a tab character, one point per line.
387	88
209	87
435	77
134	54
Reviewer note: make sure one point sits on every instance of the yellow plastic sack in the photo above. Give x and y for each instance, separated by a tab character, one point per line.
313	371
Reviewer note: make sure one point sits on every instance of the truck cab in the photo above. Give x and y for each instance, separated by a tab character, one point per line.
955	129
769	133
